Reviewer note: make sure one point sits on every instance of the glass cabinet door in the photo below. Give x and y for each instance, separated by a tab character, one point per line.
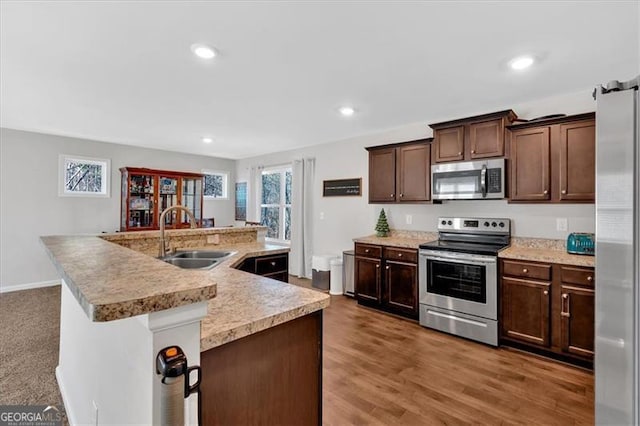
141	192
167	197
192	199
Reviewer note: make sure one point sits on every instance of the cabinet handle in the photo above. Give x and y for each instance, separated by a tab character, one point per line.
460	153
399	254
387	267
545	192
366	250
391	195
546	292
377	265
564	191
473	151
589	278
401	195
273	263
525	270
565	304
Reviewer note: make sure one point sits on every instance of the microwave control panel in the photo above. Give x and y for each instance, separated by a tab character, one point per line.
494	183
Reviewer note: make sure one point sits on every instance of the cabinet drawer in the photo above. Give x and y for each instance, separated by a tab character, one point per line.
527	270
271	264
574	275
368	250
401	255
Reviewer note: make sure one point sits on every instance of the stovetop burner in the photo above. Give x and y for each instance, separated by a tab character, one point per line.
485	236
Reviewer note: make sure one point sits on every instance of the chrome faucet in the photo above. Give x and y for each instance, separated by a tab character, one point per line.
163	241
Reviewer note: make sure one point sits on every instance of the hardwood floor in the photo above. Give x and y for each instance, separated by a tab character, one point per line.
381	369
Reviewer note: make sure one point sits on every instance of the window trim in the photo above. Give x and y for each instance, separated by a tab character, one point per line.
225	185
106	176
283	169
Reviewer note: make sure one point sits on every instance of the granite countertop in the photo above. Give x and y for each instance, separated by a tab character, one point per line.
543	250
405	239
112	282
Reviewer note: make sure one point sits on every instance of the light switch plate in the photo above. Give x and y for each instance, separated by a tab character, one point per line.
561	224
409	219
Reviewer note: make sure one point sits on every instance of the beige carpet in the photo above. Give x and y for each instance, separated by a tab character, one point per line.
29	340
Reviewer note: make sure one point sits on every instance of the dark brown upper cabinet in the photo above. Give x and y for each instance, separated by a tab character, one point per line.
471	138
553	160
400	173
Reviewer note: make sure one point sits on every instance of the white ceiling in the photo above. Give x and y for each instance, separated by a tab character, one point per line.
123	71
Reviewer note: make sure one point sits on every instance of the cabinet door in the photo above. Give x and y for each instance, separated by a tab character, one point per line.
486	139
401	287
578	161
530	165
414	173
525	311
449	144
368	279
577	320
382	175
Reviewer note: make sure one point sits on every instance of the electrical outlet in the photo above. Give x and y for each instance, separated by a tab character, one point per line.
561	224
321	215
213	239
409	219
94	419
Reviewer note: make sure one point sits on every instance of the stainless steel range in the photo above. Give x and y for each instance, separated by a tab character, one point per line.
459	277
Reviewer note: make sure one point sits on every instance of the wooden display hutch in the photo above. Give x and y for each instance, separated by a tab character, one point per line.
146	193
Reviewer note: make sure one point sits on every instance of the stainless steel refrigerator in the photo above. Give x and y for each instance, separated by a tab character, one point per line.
617	253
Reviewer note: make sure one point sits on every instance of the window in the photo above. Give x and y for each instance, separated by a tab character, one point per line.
275	206
241	201
83	176
215	184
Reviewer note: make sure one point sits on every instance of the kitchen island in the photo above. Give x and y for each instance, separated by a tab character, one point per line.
258	340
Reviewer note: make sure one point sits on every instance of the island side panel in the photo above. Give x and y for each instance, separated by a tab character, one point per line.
273	377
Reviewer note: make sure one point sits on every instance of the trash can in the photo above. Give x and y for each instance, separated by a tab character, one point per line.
321	271
348	262
336	276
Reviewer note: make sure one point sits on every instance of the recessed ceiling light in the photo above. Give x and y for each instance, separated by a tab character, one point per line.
521	62
203	51
207	140
347	111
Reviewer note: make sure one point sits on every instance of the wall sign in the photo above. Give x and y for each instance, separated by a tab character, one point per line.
342	187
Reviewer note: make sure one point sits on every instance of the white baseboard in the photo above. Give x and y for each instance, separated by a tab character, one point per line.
65	401
29	286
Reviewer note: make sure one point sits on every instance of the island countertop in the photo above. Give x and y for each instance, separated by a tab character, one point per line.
112	282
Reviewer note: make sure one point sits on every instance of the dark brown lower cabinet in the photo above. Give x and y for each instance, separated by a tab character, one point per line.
273	266
368	279
548	308
273	377
577	320
387	278
400	289
525	311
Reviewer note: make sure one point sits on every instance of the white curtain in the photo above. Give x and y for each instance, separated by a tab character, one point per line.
254	194
301	217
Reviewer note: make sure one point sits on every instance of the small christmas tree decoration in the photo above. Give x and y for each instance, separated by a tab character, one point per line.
382	227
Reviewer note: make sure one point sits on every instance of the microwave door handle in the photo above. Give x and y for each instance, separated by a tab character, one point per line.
483	181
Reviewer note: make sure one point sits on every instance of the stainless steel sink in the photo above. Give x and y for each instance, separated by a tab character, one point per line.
197	259
202	254
192	263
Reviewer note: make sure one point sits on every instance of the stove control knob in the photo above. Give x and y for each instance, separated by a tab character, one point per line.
486	224
494	224
449	223
444	222
501	224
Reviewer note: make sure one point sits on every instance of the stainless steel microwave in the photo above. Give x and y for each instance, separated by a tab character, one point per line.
468	180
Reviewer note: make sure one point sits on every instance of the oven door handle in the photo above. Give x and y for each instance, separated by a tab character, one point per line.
483	180
466	261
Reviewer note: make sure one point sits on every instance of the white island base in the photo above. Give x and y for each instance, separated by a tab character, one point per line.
106	372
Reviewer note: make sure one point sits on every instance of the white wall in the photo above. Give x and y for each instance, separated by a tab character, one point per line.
348	217
30	205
